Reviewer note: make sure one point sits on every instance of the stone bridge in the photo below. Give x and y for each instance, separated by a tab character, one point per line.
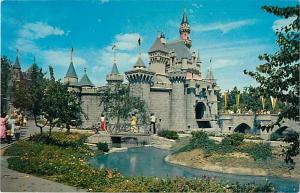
243	122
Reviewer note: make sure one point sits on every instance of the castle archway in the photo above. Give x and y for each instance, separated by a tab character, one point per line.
281	129
200	109
242	128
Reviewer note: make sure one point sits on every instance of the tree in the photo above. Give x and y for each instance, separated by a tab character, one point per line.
118	104
279	75
29	95
5	78
59	105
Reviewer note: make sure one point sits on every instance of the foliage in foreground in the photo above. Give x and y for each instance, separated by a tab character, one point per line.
70	165
103	147
168	134
230	143
61	139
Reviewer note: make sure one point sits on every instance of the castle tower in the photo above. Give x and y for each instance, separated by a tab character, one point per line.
16	72
71	76
185	30
114	78
85	81
178	103
159	56
140	80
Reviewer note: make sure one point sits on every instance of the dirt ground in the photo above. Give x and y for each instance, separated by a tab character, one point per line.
238	163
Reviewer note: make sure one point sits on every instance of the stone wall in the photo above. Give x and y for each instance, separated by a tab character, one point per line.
160	106
92	110
178	107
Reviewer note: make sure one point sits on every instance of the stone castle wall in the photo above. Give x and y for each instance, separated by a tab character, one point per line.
160	106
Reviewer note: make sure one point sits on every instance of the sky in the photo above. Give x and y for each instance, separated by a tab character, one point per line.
232	33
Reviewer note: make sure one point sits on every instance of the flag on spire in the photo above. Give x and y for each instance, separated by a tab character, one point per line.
114	46
139	41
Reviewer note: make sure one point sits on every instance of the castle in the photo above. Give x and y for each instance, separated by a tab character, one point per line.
172	85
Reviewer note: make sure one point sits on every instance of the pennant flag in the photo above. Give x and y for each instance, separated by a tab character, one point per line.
113	47
263	101
225	100
273	101
238	96
139	41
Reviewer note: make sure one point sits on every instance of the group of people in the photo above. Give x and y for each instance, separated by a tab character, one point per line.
133	124
10	126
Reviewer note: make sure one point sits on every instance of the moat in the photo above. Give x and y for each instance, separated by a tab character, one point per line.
149	161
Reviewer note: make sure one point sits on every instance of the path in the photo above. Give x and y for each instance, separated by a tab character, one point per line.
13	181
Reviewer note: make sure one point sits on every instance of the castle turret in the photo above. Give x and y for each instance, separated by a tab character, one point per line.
85	81
71	76
185	30
140	80
178	103
114	77
159	56
16	71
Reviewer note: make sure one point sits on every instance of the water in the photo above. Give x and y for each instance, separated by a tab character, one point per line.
149	161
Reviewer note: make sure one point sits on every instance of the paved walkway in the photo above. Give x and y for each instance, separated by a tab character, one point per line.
13	181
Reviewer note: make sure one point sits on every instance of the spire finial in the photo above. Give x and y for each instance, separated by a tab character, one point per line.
17	52
72	50
184	6
210	65
139	43
84	70
114	51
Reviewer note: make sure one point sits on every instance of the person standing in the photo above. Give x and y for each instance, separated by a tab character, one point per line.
103	123
3	127
133	123
152	123
12	123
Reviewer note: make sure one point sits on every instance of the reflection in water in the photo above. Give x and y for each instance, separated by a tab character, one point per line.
148	161
132	164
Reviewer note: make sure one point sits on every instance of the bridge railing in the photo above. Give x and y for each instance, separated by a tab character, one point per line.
125	127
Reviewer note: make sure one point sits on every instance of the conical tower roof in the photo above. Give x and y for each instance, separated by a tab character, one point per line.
71	71
158	46
139	63
85	81
115	69
17	63
184	18
210	75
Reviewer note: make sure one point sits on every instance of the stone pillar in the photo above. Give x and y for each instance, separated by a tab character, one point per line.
178	103
190	108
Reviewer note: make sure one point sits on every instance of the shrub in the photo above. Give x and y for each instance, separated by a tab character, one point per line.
235	139
257	150
61	139
275	136
168	134
252	137
103	147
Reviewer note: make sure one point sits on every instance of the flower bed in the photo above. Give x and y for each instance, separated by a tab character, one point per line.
70	165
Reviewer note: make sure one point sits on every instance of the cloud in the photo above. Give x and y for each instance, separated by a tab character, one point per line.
26	39
279	23
127	41
60	58
39	30
223	27
197	6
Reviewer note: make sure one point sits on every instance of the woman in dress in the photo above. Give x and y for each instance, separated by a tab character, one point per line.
103	123
3	126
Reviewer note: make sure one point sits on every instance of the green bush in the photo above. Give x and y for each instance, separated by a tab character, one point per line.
258	151
275	136
168	134
235	139
61	139
103	147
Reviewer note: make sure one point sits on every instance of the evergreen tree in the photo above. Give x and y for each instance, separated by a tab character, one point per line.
5	78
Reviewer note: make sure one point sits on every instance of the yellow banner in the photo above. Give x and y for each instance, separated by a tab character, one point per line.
238	96
225	100
263	101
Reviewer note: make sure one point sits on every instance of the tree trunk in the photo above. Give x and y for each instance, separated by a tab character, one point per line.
68	127
35	121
